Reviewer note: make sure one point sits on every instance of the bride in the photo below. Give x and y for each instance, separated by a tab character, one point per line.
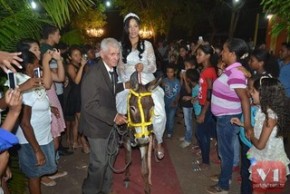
138	55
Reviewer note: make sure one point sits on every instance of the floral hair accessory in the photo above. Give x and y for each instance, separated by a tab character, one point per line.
130	15
245	56
264	77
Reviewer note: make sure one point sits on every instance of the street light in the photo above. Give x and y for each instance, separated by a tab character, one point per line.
269	16
108	4
33	4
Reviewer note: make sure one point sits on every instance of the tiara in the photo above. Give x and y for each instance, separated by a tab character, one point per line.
130	15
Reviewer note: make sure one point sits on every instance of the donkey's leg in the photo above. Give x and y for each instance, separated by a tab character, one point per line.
128	159
145	169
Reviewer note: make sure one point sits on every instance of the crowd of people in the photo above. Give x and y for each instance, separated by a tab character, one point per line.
231	91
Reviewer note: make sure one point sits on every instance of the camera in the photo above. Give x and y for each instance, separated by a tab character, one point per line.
11	79
36	72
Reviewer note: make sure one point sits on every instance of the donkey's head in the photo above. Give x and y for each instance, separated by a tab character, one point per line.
140	108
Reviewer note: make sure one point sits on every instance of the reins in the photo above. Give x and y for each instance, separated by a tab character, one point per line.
113	147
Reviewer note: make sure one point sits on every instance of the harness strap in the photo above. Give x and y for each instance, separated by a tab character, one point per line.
143	124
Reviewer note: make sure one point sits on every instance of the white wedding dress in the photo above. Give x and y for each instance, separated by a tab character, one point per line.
125	71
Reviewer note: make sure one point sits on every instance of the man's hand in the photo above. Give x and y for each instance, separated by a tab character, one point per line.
120	119
6	59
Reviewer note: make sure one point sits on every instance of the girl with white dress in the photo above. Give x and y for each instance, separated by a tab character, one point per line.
270	125
138	55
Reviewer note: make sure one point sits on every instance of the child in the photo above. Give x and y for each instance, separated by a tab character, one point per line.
192	76
271	122
246	185
205	127
229	99
171	86
262	63
185	103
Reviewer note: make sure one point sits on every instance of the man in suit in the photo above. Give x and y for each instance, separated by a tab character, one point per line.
99	114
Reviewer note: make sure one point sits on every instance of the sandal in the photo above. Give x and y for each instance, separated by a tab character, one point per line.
199	166
196	168
46	181
159	155
196	161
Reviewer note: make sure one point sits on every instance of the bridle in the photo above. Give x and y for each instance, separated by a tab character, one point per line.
143	124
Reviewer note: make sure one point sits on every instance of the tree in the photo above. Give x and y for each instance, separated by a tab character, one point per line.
281	18
18	20
156	15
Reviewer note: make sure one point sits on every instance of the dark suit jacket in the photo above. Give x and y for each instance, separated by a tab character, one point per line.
98	103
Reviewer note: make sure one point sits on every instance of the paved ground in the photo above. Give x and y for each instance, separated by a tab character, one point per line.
191	182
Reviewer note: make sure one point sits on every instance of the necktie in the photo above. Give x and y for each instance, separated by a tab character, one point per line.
113	80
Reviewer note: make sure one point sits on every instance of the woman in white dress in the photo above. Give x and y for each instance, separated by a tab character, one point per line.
138	55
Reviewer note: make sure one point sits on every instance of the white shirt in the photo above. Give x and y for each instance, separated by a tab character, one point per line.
40	116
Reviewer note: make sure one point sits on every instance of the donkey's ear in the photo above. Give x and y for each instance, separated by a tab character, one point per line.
153	84
134	81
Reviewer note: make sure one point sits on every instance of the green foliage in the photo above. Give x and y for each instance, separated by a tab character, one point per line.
92	18
60	11
18	20
281	11
73	37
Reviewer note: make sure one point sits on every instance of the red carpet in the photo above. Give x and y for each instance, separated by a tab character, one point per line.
164	178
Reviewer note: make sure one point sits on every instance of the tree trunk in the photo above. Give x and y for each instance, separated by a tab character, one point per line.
231	30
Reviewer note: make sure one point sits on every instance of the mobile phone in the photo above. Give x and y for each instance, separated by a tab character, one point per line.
85	56
200	38
36	72
11	79
183	70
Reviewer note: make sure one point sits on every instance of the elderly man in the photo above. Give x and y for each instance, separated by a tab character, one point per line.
98	115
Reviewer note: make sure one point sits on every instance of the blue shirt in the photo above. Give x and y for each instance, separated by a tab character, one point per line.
284	76
196	105
171	90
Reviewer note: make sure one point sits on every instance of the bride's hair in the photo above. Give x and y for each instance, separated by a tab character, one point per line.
126	44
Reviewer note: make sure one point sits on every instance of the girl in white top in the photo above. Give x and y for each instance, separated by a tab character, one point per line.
138	55
36	153
271	123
